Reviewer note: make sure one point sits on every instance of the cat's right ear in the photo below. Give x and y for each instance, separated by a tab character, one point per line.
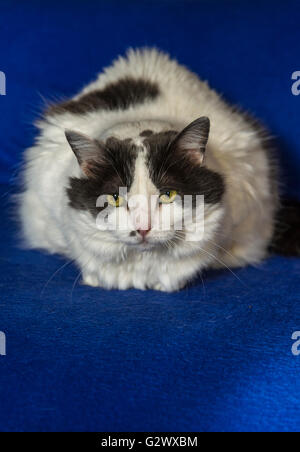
85	149
193	139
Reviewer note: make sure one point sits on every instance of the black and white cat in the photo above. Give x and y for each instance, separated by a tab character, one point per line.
142	137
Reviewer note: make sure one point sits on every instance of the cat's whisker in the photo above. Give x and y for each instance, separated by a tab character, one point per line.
78	277
223	249
53	276
224	265
218	260
203	285
75	282
62	267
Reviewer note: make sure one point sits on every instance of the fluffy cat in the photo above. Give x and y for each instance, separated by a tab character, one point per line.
149	127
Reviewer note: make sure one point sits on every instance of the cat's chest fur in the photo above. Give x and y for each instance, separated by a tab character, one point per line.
139	271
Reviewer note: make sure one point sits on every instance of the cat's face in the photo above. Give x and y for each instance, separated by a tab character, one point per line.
147	193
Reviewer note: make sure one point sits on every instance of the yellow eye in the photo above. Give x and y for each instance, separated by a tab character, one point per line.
168	196
115	200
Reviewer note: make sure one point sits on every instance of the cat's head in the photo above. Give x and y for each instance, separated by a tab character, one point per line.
147	192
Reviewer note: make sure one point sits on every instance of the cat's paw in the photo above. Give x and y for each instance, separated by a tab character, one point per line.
91	280
160	287
163	288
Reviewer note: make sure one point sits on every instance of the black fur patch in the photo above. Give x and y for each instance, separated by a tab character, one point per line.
170	168
118	171
286	239
119	95
146	133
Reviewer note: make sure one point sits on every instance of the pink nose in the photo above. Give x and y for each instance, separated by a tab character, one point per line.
143	232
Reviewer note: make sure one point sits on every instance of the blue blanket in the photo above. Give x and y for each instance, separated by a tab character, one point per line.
216	356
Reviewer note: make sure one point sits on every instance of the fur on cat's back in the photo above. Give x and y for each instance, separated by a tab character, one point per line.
137	111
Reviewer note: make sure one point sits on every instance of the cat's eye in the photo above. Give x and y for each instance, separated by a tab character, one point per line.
168	196
115	200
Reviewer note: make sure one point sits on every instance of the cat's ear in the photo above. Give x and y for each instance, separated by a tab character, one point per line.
83	147
86	150
193	139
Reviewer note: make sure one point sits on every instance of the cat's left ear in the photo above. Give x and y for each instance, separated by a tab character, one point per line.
87	151
193	139
83	147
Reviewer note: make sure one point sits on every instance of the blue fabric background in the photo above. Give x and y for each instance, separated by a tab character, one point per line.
216	356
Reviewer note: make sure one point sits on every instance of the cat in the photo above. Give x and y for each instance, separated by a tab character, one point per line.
149	129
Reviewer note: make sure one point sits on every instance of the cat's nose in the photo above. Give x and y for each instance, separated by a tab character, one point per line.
143	232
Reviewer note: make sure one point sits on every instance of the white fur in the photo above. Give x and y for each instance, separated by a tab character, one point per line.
236	232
